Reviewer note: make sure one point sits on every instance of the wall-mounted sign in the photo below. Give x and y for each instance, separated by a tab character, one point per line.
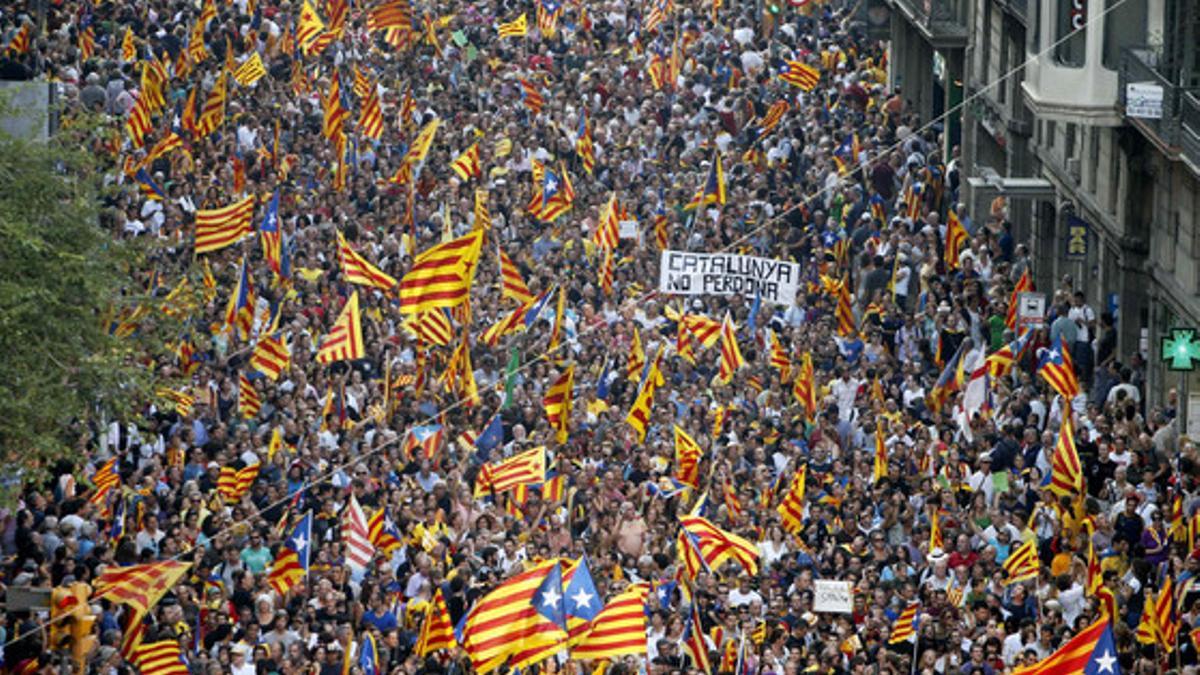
1077	238
1144	100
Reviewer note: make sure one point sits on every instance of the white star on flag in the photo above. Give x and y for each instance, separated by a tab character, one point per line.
300	542
1105	662
550	598
582	598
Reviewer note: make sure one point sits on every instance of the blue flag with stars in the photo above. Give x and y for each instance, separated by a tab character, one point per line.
548	599
301	540
582	599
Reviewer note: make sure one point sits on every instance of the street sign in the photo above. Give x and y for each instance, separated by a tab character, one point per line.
1180	350
1031	310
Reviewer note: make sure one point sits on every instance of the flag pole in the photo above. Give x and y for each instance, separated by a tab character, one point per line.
916	641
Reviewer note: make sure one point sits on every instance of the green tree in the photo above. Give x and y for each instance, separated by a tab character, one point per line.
63	279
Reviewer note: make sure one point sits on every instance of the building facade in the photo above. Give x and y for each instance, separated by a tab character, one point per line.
1103	179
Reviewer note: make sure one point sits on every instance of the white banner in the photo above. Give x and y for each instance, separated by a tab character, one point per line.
833	596
686	273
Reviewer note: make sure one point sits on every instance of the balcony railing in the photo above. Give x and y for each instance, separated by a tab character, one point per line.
1177	131
1189	128
943	21
1139	65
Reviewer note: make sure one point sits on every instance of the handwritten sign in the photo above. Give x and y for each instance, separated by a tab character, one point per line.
835	597
687	273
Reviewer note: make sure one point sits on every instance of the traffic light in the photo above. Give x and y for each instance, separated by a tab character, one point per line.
61	603
82	624
72	621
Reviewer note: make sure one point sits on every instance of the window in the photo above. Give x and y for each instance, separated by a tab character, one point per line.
1124	26
1093	164
1035	23
1070	38
1069	133
1049	137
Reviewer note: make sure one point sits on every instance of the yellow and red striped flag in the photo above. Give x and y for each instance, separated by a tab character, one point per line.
160	658
218	228
1022	563
1066	473
904	628
309	28
558	403
533	98
1024	283
518	27
441	276
791	509
506	622
432	327
637	357
249	402
128	46
467	164
1087	652
880	467
437	631
105	479
20	43
370	119
344	342
607	232
138	124
779	356
512	285
716	546
232	484
606	271
706	331
800	75
334	113
389	15
271	356
212	115
687	458
525	468
618	630
139	587
483	220
251	70
845	311
773	117
956	237
935	532
731	354
356	269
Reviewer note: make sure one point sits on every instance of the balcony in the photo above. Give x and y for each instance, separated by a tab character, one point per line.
1189	130
943	23
1177	132
1018	8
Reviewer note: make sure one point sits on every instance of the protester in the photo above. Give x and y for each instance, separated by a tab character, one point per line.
849	184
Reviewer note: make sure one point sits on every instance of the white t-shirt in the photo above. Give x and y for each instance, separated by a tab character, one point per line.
737	598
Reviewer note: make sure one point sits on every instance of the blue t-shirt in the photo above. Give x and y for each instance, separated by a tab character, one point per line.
384	622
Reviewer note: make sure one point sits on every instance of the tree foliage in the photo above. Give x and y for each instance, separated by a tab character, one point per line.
63	280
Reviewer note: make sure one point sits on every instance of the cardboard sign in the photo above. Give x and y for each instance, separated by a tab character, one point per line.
833	596
627	229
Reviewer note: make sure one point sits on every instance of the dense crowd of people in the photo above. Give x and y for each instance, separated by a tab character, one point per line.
850	184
